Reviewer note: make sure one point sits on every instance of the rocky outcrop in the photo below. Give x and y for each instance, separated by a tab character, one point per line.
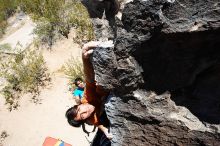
163	73
149	119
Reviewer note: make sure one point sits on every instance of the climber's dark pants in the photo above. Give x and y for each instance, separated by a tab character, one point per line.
100	139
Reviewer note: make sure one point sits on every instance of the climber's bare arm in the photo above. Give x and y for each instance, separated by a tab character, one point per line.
87	50
105	131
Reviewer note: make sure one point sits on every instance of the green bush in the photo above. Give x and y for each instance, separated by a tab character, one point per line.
73	68
7	8
81	21
24	73
3	25
45	32
5	47
57	17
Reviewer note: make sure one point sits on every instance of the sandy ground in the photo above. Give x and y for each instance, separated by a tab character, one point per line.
32	123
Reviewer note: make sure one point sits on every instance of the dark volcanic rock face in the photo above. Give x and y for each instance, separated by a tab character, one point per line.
147	119
164	45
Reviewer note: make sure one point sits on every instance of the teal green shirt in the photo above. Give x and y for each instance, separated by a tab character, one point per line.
78	92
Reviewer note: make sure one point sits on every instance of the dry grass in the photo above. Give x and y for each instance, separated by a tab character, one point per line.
73	68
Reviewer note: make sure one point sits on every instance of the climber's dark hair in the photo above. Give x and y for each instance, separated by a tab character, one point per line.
76	80
71	114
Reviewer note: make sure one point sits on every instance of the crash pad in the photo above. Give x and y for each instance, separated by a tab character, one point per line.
50	141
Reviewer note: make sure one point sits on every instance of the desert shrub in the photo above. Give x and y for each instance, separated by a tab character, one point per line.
24	73
45	32
57	17
80	20
73	68
3	25
53	17
7	8
5	47
3	136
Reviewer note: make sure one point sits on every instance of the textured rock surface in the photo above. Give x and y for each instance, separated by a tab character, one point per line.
164	45
147	119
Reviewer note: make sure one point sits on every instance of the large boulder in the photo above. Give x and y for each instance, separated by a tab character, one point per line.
163	73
